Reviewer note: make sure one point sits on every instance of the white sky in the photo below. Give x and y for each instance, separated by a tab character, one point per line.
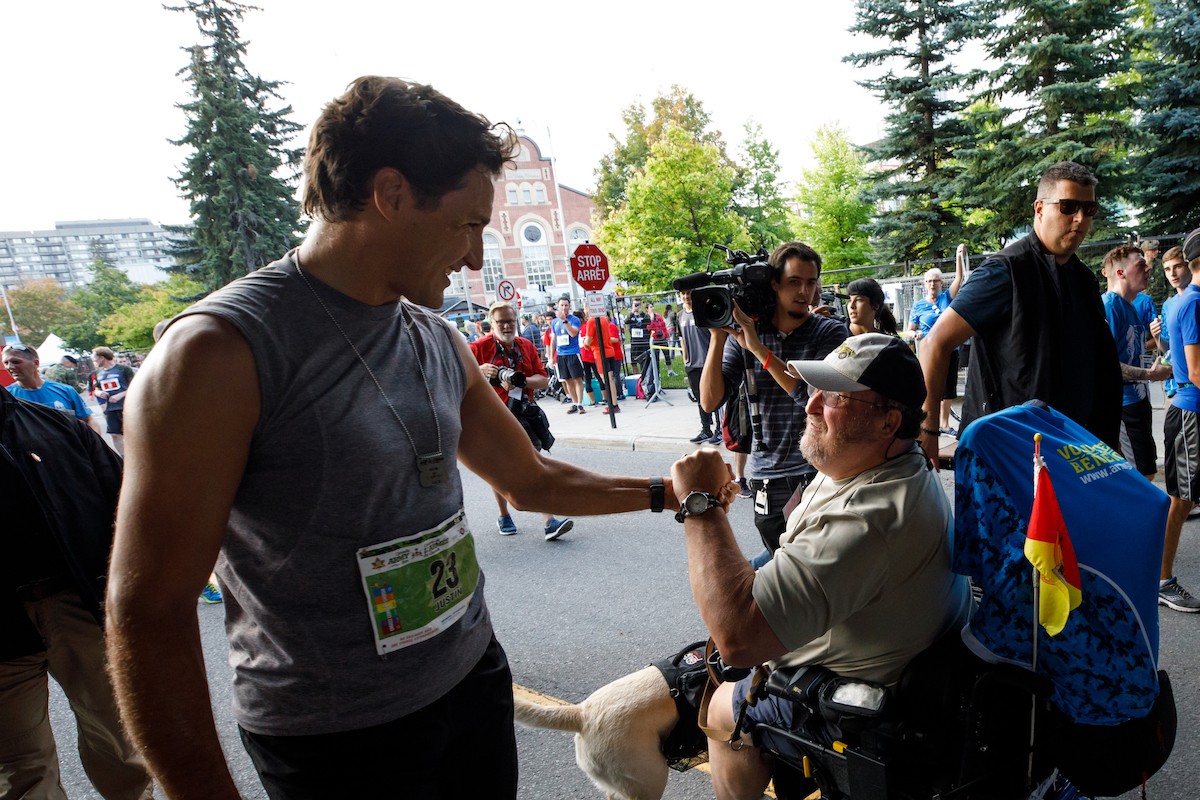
89	86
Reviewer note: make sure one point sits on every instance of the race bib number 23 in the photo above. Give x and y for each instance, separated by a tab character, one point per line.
418	586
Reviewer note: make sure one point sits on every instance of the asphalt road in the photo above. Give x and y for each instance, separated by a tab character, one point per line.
605	600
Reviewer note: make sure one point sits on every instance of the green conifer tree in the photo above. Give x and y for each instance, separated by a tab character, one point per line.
239	178
1065	88
919	213
1168	173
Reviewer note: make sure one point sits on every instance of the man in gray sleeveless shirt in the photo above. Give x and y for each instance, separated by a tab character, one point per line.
326	411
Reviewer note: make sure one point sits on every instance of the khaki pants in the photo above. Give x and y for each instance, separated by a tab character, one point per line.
75	658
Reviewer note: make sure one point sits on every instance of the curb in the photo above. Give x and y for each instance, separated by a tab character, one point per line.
632	442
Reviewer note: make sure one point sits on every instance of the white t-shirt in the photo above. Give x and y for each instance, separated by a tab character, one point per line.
861	582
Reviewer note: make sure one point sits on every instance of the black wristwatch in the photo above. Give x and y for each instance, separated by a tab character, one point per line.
695	504
658	494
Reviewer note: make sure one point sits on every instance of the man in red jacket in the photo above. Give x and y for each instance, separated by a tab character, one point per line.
502	354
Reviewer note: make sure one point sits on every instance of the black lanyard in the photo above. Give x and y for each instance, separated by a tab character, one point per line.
513	362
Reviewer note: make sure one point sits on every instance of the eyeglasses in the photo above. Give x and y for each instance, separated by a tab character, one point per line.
1072	207
22	347
500	322
835	399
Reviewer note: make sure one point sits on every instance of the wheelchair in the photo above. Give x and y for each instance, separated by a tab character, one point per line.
954	728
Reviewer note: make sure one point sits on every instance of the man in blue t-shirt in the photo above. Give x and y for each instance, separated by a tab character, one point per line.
1182	427
925	313
1128	274
1178	277
22	362
565	329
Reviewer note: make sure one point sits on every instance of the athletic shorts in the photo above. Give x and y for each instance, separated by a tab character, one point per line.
115	422
461	745
951	390
1137	437
773	711
569	367
1181	461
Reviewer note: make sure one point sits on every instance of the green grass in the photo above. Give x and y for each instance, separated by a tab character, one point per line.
679	380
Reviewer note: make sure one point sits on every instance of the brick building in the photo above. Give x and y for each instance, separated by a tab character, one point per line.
529	239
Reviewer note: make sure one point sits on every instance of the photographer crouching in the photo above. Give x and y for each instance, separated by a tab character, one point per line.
511	364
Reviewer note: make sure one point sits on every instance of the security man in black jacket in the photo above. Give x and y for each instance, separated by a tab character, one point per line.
60	483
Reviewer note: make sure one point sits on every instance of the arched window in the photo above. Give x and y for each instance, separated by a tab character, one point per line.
576	237
535	251
493	263
540	193
511	191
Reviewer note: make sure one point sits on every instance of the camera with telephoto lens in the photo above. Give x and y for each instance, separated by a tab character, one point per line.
510	376
747	282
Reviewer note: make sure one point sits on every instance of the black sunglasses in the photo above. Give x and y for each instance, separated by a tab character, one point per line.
1071	207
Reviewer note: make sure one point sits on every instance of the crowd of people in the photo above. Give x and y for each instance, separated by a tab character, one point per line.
357	622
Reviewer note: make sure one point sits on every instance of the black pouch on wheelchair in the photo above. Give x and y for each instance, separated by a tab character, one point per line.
832	707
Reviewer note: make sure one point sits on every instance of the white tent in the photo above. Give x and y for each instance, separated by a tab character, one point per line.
51	351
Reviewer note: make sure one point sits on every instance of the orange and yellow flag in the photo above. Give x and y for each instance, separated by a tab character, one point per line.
1048	548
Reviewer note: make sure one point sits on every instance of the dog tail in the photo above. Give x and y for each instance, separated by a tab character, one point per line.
556	717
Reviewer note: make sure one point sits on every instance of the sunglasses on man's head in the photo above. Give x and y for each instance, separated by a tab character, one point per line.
1071	207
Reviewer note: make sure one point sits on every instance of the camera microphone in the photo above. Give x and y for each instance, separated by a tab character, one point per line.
694	281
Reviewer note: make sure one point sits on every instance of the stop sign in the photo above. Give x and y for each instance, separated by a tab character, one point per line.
589	267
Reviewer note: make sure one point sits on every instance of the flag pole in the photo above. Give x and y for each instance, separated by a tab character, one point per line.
1037	591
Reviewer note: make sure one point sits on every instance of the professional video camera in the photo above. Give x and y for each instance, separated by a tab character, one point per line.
747	282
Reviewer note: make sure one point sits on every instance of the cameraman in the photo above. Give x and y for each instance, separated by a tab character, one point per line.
785	331
501	350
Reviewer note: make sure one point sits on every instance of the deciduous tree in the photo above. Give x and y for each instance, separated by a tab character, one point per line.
133	323
677	108
832	213
42	307
759	196
676	207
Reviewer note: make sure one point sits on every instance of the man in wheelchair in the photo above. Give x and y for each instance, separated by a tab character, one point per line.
861	582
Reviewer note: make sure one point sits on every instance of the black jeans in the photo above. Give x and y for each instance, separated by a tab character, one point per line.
693	376
461	745
779	490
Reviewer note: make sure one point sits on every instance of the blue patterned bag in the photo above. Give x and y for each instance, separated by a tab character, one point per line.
1103	665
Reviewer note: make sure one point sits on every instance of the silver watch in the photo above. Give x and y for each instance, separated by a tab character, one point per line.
695	504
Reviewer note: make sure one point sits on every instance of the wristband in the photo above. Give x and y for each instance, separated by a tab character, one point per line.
930	431
767	363
658	494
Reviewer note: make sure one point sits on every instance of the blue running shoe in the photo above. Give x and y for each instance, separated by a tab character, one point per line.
557	527
211	594
506	525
